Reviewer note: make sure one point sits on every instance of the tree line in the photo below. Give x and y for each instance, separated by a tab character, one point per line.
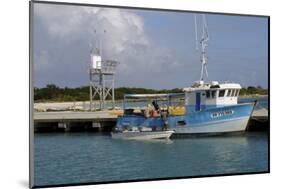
57	94
251	90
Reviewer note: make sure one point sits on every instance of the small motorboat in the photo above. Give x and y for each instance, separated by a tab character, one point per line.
142	133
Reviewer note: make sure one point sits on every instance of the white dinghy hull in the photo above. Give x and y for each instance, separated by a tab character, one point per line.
138	135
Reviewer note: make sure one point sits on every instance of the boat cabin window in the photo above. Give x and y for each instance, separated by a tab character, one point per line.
213	94
221	93
228	92
208	94
233	93
237	92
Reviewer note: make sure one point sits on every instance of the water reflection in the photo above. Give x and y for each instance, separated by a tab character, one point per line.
91	157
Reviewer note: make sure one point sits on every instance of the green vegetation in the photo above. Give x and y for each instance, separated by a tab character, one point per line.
53	93
253	91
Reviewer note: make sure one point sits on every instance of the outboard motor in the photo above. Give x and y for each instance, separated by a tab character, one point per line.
163	115
156	106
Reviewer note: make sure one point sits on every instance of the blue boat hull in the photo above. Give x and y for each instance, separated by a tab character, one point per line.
230	125
224	119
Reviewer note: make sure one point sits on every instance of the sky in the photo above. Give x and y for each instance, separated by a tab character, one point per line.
156	49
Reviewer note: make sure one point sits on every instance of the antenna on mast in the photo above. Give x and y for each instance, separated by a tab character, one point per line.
95	43
101	41
203	43
204	40
196	36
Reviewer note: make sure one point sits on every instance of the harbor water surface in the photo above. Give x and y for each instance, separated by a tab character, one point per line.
95	157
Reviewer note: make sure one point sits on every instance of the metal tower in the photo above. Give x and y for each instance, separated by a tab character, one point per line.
101	74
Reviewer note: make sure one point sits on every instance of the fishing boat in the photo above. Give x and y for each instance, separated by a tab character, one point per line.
208	107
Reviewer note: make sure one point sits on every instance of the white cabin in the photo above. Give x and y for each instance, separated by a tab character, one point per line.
206	95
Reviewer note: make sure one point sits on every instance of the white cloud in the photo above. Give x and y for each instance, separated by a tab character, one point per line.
68	23
125	39
60	21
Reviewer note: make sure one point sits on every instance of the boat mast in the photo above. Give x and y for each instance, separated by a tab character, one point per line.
203	43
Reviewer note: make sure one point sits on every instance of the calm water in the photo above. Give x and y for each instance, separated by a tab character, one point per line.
95	157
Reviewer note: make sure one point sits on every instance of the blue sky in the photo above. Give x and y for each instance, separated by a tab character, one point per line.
156	49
